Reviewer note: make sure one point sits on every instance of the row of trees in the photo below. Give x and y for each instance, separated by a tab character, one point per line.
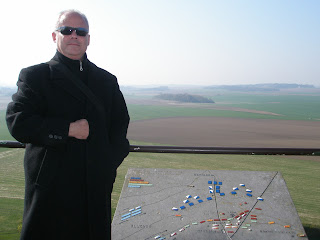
184	98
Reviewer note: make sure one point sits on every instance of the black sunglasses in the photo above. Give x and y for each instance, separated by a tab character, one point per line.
68	31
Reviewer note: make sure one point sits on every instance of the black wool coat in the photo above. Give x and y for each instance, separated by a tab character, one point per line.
68	182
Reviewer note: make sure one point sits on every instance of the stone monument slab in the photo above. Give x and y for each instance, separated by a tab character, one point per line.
205	204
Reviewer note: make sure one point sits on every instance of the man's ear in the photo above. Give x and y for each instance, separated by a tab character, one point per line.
54	36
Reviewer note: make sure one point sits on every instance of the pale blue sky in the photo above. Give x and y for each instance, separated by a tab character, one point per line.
161	42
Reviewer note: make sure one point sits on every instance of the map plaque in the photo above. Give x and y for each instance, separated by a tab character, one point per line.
205	204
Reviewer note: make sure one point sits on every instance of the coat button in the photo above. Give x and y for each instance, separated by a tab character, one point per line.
50	136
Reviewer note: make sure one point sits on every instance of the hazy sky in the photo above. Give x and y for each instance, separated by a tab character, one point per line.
206	42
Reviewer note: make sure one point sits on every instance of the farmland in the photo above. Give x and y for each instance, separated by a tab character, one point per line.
234	120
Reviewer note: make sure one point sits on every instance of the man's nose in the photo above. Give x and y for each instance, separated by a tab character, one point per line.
73	34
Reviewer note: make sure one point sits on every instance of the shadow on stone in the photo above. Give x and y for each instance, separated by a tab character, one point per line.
312	233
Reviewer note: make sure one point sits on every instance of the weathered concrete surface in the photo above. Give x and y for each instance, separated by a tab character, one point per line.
233	216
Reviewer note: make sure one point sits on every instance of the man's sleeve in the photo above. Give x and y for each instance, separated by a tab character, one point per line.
119	126
26	115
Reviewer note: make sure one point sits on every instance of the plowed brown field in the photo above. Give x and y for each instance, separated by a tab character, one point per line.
227	132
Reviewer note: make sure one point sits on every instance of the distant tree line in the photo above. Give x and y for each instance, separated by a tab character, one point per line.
265	87
184	98
145	89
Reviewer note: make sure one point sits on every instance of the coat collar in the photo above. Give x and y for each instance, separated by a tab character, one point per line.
58	77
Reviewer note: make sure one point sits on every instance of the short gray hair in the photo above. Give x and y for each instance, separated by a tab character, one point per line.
58	23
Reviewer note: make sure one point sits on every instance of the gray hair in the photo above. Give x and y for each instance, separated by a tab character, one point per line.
58	23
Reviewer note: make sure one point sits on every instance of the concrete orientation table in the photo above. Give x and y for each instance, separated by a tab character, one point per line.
205	204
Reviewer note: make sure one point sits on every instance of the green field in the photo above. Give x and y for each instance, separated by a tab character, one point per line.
302	176
4	133
290	107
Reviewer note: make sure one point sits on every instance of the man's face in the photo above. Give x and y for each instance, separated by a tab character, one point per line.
72	46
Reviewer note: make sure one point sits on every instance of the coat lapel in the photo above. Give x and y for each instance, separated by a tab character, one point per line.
58	77
76	88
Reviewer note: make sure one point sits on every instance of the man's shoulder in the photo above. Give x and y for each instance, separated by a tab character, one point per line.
104	73
34	76
38	69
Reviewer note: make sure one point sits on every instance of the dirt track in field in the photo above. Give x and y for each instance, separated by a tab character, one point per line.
227	132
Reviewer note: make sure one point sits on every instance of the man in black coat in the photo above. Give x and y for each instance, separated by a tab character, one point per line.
74	120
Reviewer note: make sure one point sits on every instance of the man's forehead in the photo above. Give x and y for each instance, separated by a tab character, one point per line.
74	18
